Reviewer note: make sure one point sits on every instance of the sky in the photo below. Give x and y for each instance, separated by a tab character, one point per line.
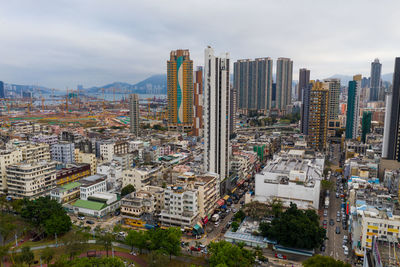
63	43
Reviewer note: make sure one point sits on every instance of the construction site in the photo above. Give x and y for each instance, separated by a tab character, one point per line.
74	108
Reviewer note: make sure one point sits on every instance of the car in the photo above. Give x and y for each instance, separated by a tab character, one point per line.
338	219
133	253
346	250
331	222
234	210
325	213
325	223
183	244
337	213
345	237
337	195
228	210
195	248
202	246
322	248
122	234
337	231
216	223
81	217
89	222
280	256
242	202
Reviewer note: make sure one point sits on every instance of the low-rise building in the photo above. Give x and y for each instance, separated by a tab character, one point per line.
140	177
72	172
97	205
92	184
66	193
89	158
63	152
46	139
291	177
113	171
31	180
31	152
8	157
180	207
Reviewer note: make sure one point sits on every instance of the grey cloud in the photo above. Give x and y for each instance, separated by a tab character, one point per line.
92	42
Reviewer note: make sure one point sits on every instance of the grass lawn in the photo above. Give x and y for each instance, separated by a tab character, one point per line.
182	261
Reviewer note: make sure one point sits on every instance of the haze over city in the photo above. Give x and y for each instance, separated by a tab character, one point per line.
64	43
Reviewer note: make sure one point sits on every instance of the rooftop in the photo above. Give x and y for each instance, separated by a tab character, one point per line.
87	204
70	186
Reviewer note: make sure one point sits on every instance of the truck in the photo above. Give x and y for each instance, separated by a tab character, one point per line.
215	218
326	202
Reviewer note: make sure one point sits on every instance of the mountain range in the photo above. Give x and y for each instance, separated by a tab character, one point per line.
155	84
344	79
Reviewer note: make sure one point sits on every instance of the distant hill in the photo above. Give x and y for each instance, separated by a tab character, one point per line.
344	79
18	89
156	84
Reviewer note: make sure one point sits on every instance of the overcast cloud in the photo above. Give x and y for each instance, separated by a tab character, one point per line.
60	44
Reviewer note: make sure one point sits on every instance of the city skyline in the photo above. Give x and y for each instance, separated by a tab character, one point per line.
79	43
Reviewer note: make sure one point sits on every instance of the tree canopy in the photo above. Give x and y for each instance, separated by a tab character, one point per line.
319	260
127	190
47	215
295	228
224	253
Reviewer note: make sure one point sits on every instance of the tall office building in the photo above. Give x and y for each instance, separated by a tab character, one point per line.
334	94
318	115
216	113
180	90
134	113
304	80
391	144
2	91
198	102
305	108
253	83
284	73
366	125
353	105
375	84
232	110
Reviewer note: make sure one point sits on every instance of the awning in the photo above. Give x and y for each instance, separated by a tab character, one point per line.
240	183
205	220
196	227
220	202
223	207
233	191
226	197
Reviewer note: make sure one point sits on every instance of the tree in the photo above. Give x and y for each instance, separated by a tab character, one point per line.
43	214
27	255
4	250
75	243
6	228
240	215
106	241
235	225
296	228
171	242
57	224
319	260
137	239
47	255
127	190
224	253
264	228
326	185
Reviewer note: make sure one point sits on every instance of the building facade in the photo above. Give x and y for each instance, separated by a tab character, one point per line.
134	113
216	114
334	94
180	90
304	80
31	180
318	116
253	83
366	124
353	105
391	144
8	157
375	84
198	102
284	79
305	108
64	152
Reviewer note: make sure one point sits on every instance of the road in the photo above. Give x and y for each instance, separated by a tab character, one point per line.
335	241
